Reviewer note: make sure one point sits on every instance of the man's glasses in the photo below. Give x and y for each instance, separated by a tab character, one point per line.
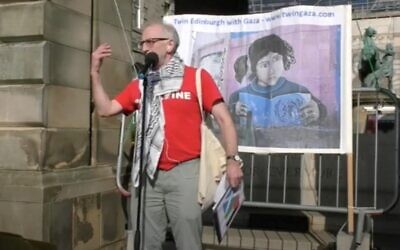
151	41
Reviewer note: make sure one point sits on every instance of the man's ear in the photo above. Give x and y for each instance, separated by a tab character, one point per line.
170	46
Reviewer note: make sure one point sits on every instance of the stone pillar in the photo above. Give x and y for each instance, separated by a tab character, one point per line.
56	166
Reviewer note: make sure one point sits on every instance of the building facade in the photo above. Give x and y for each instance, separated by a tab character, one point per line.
57	157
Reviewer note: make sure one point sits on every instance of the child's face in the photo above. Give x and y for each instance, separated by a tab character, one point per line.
269	68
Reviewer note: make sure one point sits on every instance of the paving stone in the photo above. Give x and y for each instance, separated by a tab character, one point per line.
233	237
208	236
247	239
260	239
274	240
314	243
302	242
289	243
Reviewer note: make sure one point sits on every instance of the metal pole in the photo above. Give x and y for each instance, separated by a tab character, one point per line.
350	194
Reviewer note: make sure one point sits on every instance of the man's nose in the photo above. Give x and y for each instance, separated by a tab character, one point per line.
145	50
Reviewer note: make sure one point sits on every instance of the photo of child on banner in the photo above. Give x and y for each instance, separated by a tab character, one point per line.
269	99
281	94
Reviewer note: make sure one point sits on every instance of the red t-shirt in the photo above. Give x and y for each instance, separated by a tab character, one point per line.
182	115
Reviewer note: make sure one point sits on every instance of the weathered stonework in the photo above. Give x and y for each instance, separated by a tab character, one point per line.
22	148
21	105
50	190
67	107
24	62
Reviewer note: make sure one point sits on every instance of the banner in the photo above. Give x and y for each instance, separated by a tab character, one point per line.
285	75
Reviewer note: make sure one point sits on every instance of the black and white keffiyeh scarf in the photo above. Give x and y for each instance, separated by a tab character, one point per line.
164	81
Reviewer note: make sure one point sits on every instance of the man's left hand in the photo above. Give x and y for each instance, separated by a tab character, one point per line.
234	173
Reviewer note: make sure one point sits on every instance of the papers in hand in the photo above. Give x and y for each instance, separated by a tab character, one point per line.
227	203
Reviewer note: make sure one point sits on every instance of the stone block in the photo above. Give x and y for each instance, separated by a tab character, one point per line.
21	105
66	148
53	220
107	33
314	243
52	106
83	7
12	192
24	62
112	217
107	146
208	236
86	222
22	218
316	220
26	147
67	107
68	66
106	11
54	186
14	1
233	237
61	223
379	24
108	122
44	20
247	239
67	27
22	21
345	241
157	10
260	239
274	240
119	245
396	28
301	241
115	75
44	62
71	183
21	148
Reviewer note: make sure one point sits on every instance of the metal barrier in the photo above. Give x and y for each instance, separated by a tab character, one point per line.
274	180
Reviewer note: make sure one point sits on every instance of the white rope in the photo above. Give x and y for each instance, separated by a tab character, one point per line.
128	47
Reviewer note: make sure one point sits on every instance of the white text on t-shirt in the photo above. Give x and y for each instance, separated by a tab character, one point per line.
183	95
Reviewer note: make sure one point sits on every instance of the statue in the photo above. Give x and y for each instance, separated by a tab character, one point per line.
384	69
375	63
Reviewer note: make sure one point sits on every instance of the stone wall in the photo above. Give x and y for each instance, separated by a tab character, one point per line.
56	157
